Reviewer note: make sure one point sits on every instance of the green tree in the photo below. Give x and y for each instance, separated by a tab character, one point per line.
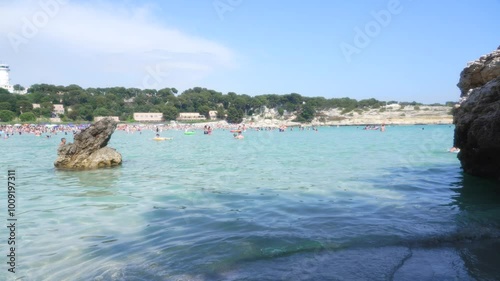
73	87
373	103
5	96
27	117
318	102
290	107
73	113
306	114
18	87
101	111
4	92
258	103
170	112
45	89
7	115
293	98
165	92
47	99
86	113
42	112
281	111
204	110
149	92
234	115
24	106
221	113
101	101
47	105
5	106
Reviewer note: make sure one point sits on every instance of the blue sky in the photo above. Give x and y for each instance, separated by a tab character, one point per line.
387	49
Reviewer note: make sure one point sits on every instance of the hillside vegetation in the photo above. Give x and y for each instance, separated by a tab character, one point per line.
84	104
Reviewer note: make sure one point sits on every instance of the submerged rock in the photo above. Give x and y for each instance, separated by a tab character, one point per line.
89	149
477	118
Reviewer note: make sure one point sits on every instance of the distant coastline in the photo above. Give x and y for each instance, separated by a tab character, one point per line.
388	115
45	103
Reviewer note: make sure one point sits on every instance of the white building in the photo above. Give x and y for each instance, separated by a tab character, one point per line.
148	116
99	118
190	116
5	79
212	114
58	108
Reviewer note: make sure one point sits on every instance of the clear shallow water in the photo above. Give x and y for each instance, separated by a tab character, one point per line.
338	204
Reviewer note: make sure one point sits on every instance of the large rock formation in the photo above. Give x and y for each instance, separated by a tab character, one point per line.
479	72
477	119
89	149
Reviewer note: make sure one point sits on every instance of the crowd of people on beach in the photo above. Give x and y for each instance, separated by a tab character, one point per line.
49	130
46	130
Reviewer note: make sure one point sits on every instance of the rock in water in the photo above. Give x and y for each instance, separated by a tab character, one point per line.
479	72
89	149
477	118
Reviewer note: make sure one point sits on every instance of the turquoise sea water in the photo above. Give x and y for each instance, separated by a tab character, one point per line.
337	204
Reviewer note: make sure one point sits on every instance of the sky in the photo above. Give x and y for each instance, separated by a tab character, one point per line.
403	50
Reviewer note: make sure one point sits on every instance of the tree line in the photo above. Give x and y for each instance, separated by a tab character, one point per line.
84	104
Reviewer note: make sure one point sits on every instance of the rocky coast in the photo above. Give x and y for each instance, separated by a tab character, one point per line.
392	114
477	119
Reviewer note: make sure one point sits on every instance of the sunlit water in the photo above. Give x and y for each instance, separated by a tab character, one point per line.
337	204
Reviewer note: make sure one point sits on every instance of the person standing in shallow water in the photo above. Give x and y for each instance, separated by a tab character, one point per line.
63	141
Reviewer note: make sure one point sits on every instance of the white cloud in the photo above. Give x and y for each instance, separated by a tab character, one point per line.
81	43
